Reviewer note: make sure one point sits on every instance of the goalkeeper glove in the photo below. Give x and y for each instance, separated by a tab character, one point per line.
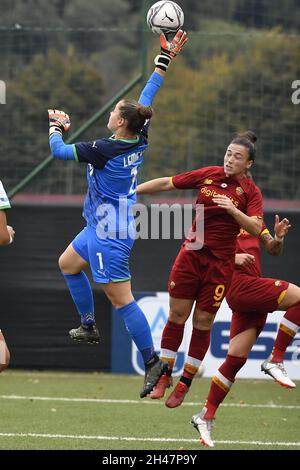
59	121
169	50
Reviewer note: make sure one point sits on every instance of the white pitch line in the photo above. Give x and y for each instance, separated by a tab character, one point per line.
140	402
63	375
261	443
142	439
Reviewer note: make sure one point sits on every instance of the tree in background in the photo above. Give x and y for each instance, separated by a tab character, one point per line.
252	91
55	80
234	74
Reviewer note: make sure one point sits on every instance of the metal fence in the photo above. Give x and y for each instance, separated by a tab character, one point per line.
231	77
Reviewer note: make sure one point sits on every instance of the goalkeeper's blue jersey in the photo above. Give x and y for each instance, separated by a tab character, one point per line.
112	170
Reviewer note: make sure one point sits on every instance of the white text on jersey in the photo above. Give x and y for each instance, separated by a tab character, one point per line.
131	159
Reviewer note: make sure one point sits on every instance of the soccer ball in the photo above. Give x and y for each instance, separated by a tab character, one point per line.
165	17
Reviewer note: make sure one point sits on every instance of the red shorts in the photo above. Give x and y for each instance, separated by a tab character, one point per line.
251	299
200	276
242	321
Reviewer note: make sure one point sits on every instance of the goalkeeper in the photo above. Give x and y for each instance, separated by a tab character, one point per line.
105	243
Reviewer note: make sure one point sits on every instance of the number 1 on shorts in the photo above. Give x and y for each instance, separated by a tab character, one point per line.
100	261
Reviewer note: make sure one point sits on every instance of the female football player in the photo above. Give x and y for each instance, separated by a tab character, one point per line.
7	234
106	241
251	297
230	201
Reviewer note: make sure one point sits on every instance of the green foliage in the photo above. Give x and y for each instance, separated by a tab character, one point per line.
216	36
55	80
228	95
29	13
235	73
107	17
250	13
111	13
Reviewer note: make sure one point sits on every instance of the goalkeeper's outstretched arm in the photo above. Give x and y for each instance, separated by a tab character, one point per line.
168	51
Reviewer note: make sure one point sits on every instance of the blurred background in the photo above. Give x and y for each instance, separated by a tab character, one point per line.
235	74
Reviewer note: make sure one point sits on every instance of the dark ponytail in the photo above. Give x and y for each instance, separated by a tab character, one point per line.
247	139
135	114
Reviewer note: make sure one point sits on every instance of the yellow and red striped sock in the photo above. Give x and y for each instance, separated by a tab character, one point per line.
288	328
221	383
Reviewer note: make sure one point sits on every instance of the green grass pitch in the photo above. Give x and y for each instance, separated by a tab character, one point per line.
43	410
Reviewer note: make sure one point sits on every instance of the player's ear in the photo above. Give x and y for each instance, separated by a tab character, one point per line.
122	122
249	164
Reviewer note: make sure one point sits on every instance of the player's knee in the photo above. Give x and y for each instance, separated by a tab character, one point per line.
291	298
203	321
177	316
114	300
65	266
118	301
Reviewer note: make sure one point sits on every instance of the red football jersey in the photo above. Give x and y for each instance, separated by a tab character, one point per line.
220	228
247	243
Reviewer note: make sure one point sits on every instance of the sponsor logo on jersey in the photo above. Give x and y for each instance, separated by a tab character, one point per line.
172	284
212	193
239	190
278	283
207	181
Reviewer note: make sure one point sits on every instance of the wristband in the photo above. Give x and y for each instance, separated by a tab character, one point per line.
55	129
162	61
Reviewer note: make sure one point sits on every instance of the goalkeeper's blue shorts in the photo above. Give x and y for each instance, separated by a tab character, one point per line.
108	258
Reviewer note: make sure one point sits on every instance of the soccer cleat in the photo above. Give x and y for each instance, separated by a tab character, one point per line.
85	334
177	396
159	390
204	428
277	371
155	368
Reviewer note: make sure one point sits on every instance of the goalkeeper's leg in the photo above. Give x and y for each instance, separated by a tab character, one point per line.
138	328
4	353
72	265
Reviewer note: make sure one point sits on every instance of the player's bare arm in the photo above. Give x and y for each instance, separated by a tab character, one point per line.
155	186
252	225
274	245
